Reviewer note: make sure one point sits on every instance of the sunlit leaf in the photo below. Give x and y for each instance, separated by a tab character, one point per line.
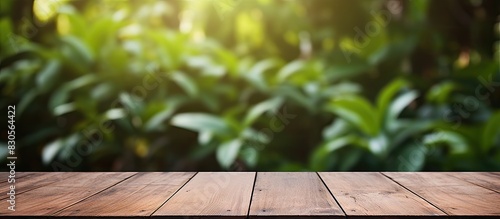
290	69
387	94
228	152
256	74
47	76
379	145
205	137
155	122
357	111
257	110
116	113
337	128
62	94
185	83
130	103
400	103
455	141
250	156
200	122
80	52
440	92
64	108
50	151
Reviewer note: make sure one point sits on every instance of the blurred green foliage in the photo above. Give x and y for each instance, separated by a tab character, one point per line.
271	85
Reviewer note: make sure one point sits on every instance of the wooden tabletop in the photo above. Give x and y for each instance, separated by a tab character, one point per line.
250	194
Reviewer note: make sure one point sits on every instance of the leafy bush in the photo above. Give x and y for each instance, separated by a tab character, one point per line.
262	85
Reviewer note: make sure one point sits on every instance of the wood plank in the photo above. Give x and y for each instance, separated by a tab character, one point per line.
286	195
19	175
47	200
139	195
29	181
373	194
454	196
212	194
484	179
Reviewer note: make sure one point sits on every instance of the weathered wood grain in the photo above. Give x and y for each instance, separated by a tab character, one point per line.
45	201
212	194
454	196
139	195
29	181
18	175
485	179
372	194
292	195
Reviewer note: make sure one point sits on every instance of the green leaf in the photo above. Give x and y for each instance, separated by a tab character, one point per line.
457	143
101	32
201	122
491	133
295	95
26	100
343	71
48	75
262	107
185	83
357	111
82	81
227	152
50	151
338	143
61	95
115	113
387	94
250	156
205	137
64	108
290	69
336	129
256	74
80	52
439	93
130	103
154	123
399	104
379	145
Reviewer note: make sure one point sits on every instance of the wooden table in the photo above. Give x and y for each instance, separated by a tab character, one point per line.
250	194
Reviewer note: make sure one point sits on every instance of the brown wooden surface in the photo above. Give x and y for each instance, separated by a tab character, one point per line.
212	194
292	194
253	195
487	180
29	181
365	194
450	194
140	195
44	201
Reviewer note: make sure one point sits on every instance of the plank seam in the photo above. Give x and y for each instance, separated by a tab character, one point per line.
83	199
251	196
30	189
467	181
333	196
415	193
151	215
